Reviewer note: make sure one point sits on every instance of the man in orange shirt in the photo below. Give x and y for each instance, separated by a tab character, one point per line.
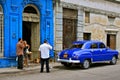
19	51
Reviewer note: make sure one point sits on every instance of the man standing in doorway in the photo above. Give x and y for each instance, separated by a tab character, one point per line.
45	55
19	51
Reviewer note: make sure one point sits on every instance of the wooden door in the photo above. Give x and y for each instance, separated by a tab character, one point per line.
111	41
35	40
69	32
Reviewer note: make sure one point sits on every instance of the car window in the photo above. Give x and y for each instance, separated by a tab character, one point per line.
77	46
93	46
80	45
101	45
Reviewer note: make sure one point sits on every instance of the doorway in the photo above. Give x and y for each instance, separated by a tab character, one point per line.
31	29
69	32
69	27
111	41
27	32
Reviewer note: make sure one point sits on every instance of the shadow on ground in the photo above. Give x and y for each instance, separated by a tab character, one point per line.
78	67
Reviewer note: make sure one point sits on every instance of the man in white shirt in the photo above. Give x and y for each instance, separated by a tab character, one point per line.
44	54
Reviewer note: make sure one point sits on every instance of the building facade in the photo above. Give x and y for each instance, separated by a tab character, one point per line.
87	20
31	20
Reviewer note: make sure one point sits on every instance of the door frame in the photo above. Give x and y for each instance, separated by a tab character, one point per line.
34	19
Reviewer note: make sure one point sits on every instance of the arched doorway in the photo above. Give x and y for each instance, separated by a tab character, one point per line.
31	29
1	32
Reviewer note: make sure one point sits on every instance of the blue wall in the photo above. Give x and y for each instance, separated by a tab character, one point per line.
13	10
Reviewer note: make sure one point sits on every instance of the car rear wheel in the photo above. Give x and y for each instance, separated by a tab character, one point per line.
113	61
86	64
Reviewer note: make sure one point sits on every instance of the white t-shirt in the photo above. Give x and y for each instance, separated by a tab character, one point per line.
45	49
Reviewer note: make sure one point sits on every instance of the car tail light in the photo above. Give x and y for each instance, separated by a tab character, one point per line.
65	56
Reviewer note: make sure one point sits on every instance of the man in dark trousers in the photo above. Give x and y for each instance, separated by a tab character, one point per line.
19	51
44	55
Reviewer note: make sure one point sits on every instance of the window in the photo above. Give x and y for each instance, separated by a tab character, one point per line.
94	45
87	36
111	19
1	32
102	45
87	17
77	46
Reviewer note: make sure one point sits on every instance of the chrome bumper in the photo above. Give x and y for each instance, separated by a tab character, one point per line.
68	61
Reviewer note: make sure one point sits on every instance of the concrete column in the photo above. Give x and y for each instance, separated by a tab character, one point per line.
80	24
58	27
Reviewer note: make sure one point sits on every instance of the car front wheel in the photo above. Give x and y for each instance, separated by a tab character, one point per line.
86	64
113	61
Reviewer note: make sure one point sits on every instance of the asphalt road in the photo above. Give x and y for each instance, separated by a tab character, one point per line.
59	72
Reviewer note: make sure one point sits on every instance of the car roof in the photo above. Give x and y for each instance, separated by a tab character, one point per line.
79	42
84	41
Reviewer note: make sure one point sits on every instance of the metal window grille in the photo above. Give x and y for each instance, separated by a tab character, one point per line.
1	34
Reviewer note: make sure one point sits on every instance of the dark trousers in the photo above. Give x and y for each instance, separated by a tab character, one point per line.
47	64
20	62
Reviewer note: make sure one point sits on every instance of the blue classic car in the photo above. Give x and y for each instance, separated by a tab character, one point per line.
86	53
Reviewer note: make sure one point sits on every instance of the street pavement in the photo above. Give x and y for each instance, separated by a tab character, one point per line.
100	71
32	66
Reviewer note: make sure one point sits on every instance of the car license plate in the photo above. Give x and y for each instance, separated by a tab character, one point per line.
65	55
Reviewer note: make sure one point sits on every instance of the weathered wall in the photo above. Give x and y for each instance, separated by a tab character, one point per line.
96	4
99	25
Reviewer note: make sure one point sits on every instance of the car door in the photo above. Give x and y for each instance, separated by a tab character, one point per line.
103	52
96	56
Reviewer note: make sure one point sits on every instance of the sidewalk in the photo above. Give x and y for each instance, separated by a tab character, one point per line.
32	66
